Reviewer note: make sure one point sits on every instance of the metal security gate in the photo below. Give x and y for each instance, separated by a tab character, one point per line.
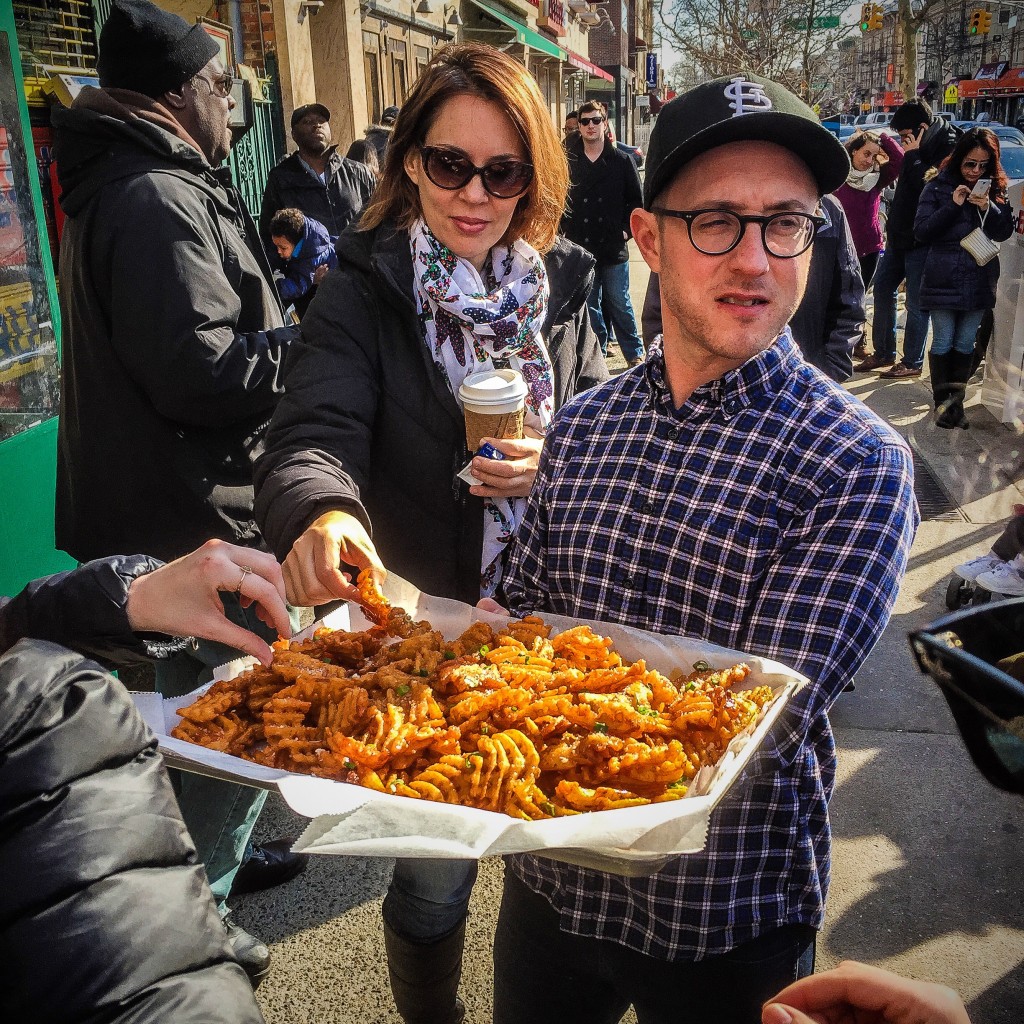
262	146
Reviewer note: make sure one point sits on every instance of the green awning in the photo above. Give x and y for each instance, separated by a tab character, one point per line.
523	34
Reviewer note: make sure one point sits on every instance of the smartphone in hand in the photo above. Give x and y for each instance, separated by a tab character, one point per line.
982	187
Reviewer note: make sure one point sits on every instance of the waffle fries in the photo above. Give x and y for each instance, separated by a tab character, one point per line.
516	721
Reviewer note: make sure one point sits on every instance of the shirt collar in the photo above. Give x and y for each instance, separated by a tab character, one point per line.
759	377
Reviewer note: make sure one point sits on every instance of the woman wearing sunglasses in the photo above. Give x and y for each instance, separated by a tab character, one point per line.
456	267
968	194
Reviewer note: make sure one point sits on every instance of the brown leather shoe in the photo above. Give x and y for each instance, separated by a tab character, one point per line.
872	363
901	372
860	350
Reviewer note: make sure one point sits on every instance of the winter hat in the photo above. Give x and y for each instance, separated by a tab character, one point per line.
151	51
740	108
389	116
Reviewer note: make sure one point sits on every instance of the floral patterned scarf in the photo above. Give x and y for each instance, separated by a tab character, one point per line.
472	323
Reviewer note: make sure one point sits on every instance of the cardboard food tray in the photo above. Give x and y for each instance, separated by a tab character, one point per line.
349	820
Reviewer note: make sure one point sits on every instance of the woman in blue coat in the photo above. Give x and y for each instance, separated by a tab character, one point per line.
955	290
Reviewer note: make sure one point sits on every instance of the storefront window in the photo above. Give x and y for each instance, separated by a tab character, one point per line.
28	348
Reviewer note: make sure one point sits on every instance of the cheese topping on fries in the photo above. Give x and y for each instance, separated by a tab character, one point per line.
517	721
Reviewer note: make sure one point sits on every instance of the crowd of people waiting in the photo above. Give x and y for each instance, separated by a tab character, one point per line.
651	499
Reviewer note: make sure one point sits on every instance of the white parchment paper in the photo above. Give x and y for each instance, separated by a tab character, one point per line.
350	820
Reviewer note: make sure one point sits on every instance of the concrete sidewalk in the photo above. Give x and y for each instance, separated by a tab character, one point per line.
928	857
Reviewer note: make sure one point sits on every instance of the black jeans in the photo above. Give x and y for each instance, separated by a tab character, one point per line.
546	976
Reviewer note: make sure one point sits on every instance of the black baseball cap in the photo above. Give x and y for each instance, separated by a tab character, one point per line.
310	108
740	108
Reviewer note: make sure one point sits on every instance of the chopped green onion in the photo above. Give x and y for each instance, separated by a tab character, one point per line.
485	729
403	689
701	666
449	655
692	685
548	808
643	709
423	672
600	727
484	650
678	784
349	765
327	661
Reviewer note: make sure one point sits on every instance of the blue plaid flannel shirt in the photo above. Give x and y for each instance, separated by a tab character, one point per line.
773	513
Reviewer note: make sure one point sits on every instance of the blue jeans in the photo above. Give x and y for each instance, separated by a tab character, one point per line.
613	280
897	265
428	898
220	815
955	329
547	976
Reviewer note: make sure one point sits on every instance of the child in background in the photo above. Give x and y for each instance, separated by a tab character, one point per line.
307	251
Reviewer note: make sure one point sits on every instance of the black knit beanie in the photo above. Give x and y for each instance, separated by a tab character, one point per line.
151	51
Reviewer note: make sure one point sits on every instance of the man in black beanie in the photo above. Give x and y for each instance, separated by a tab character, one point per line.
173	343
927	140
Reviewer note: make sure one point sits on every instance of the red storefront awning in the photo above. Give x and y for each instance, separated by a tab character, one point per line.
584	65
1010	84
970	87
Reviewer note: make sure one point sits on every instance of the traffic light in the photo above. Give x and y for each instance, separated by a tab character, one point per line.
980	22
875	23
865	17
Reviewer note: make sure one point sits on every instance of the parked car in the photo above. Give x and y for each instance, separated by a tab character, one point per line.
636	153
873	120
1012	159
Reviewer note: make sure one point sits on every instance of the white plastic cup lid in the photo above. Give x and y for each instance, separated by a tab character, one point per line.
494	391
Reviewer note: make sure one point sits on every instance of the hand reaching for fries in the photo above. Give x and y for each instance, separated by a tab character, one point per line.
182	598
312	570
512	477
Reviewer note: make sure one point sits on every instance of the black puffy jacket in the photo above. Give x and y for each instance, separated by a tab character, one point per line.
105	914
369	425
952	278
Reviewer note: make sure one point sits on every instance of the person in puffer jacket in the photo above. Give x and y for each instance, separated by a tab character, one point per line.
307	251
106	914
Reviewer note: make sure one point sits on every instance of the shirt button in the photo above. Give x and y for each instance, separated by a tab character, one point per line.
673	433
730	407
629	582
647	507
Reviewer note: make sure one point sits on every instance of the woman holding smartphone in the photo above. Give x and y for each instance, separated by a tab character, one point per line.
968	193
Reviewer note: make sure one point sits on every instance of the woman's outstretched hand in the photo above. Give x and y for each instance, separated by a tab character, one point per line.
182	598
312	570
855	993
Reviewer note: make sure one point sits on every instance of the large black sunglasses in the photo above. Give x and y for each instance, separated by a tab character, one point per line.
503	179
716	232
970	654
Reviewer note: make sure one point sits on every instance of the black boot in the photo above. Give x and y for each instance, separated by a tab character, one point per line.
938	368
425	976
960	369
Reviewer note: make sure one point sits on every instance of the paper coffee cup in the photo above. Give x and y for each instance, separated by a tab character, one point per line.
494	403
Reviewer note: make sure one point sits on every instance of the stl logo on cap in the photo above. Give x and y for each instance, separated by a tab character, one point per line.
746	97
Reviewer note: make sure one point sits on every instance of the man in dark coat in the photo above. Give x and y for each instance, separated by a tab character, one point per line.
316	178
927	140
604	191
379	135
173	343
829	321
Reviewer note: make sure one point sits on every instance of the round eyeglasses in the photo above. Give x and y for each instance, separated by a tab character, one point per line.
503	179
716	232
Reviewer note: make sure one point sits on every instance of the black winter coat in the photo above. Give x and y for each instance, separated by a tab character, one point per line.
936	144
335	205
106	914
173	341
952	279
602	195
369	426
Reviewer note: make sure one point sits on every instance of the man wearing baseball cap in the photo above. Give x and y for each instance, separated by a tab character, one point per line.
315	179
725	490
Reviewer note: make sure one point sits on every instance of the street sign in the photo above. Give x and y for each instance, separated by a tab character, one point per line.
800	24
652	71
749	33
